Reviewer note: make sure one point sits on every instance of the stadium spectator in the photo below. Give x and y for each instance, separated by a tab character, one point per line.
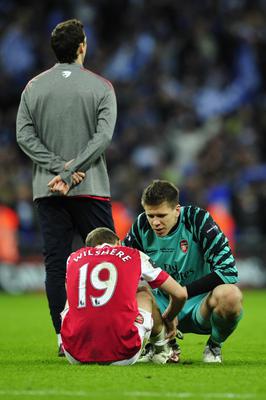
108	315
188	244
65	122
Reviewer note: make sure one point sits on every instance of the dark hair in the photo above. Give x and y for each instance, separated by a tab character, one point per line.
65	40
158	192
101	235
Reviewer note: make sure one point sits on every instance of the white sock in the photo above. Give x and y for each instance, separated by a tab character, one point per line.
59	339
159	341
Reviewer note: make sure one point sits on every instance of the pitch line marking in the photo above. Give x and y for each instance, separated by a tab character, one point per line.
176	395
187	395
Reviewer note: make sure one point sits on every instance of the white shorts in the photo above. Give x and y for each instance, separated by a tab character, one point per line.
144	328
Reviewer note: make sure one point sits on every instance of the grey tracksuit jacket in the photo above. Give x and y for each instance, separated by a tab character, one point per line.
66	113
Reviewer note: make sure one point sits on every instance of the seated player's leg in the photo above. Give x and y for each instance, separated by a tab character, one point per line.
160	352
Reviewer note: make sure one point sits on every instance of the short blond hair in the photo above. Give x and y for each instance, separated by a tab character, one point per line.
101	235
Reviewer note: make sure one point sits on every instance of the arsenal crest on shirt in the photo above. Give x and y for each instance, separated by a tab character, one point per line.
139	319
184	245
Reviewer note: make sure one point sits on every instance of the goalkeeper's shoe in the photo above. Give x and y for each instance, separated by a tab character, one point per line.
61	352
212	353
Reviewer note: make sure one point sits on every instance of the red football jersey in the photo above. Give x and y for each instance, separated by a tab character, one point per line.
101	290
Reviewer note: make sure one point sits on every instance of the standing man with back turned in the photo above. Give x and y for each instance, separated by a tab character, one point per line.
65	122
188	244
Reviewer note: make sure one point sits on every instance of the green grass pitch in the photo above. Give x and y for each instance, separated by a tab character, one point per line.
30	368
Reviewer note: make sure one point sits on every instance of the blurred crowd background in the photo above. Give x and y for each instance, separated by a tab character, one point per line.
190	79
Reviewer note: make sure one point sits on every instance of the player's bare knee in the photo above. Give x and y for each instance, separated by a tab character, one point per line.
143	288
228	301
233	301
144	296
144	291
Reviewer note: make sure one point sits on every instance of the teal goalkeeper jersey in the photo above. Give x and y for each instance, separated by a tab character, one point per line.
194	248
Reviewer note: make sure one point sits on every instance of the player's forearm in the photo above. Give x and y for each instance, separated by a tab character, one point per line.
175	306
39	154
178	297
94	149
31	144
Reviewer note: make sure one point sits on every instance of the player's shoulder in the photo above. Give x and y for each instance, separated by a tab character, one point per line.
128	251
193	215
97	79
191	211
33	82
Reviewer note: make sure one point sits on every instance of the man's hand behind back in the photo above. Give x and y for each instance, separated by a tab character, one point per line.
59	186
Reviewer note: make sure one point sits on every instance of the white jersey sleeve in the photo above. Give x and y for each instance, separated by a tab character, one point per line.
155	276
